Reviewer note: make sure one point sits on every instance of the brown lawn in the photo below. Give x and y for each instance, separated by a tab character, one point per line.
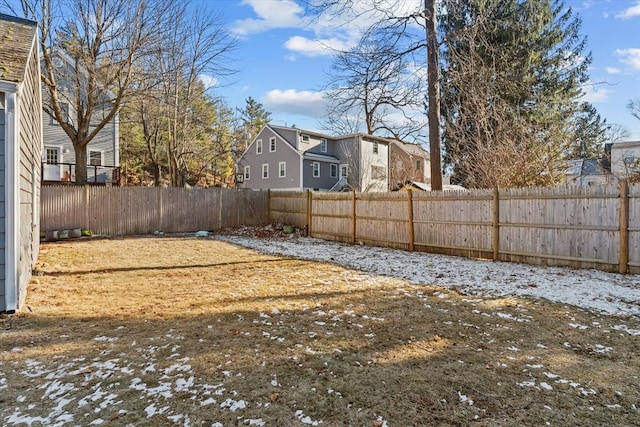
185	331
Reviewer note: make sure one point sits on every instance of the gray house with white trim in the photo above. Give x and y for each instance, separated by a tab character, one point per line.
283	158
20	150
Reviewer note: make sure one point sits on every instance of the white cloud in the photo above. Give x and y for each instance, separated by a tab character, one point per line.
630	56
612	70
208	81
305	103
271	14
630	12
315	47
594	95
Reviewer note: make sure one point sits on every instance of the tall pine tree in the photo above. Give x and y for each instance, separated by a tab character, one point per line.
512	77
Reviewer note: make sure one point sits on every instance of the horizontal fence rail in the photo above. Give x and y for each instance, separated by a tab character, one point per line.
596	227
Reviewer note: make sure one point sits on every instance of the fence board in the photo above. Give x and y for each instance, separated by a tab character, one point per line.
121	211
289	207
564	226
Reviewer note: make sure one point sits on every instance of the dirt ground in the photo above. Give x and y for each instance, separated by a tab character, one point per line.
193	331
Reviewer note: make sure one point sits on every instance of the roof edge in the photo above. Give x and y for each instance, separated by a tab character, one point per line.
11	18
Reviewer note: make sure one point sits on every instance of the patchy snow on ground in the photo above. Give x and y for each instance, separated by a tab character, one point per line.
606	293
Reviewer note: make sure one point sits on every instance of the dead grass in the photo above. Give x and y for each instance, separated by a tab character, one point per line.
177	331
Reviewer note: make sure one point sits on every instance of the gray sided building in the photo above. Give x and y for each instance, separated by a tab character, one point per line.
20	151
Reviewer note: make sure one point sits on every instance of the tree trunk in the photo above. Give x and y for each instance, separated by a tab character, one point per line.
157	173
434	96
81	163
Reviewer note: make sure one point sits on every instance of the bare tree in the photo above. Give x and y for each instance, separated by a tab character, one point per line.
180	120
199	45
89	48
372	83
616	133
634	108
399	27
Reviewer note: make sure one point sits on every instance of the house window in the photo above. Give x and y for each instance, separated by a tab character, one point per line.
375	148
344	171
418	165
52	156
334	170
629	159
378	172
258	146
316	169
282	169
247	170
323	145
272	144
95	158
304	138
265	171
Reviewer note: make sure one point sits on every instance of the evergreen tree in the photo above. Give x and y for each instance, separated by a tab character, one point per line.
590	132
253	117
512	77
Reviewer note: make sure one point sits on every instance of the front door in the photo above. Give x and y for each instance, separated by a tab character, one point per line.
52	169
343	171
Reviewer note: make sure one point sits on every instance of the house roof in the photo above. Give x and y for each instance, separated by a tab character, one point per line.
625	144
16	41
427	187
321	157
339	137
305	131
585	167
413	149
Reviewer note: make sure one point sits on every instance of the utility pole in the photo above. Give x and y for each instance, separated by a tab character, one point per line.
433	91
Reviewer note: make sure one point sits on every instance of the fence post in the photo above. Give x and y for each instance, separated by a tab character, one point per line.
219	208
160	213
411	228
269	206
353	216
624	227
86	208
309	212
496	224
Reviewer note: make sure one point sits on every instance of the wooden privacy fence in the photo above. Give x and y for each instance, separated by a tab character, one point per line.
142	210
597	227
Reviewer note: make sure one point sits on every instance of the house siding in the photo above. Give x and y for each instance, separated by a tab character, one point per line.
290	135
369	159
620	151
348	151
106	141
29	163
324	182
284	153
403	166
21	142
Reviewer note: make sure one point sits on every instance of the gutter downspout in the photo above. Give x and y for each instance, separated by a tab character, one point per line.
12	203
301	160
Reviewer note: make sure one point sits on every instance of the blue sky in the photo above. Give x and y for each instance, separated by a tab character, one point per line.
283	59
